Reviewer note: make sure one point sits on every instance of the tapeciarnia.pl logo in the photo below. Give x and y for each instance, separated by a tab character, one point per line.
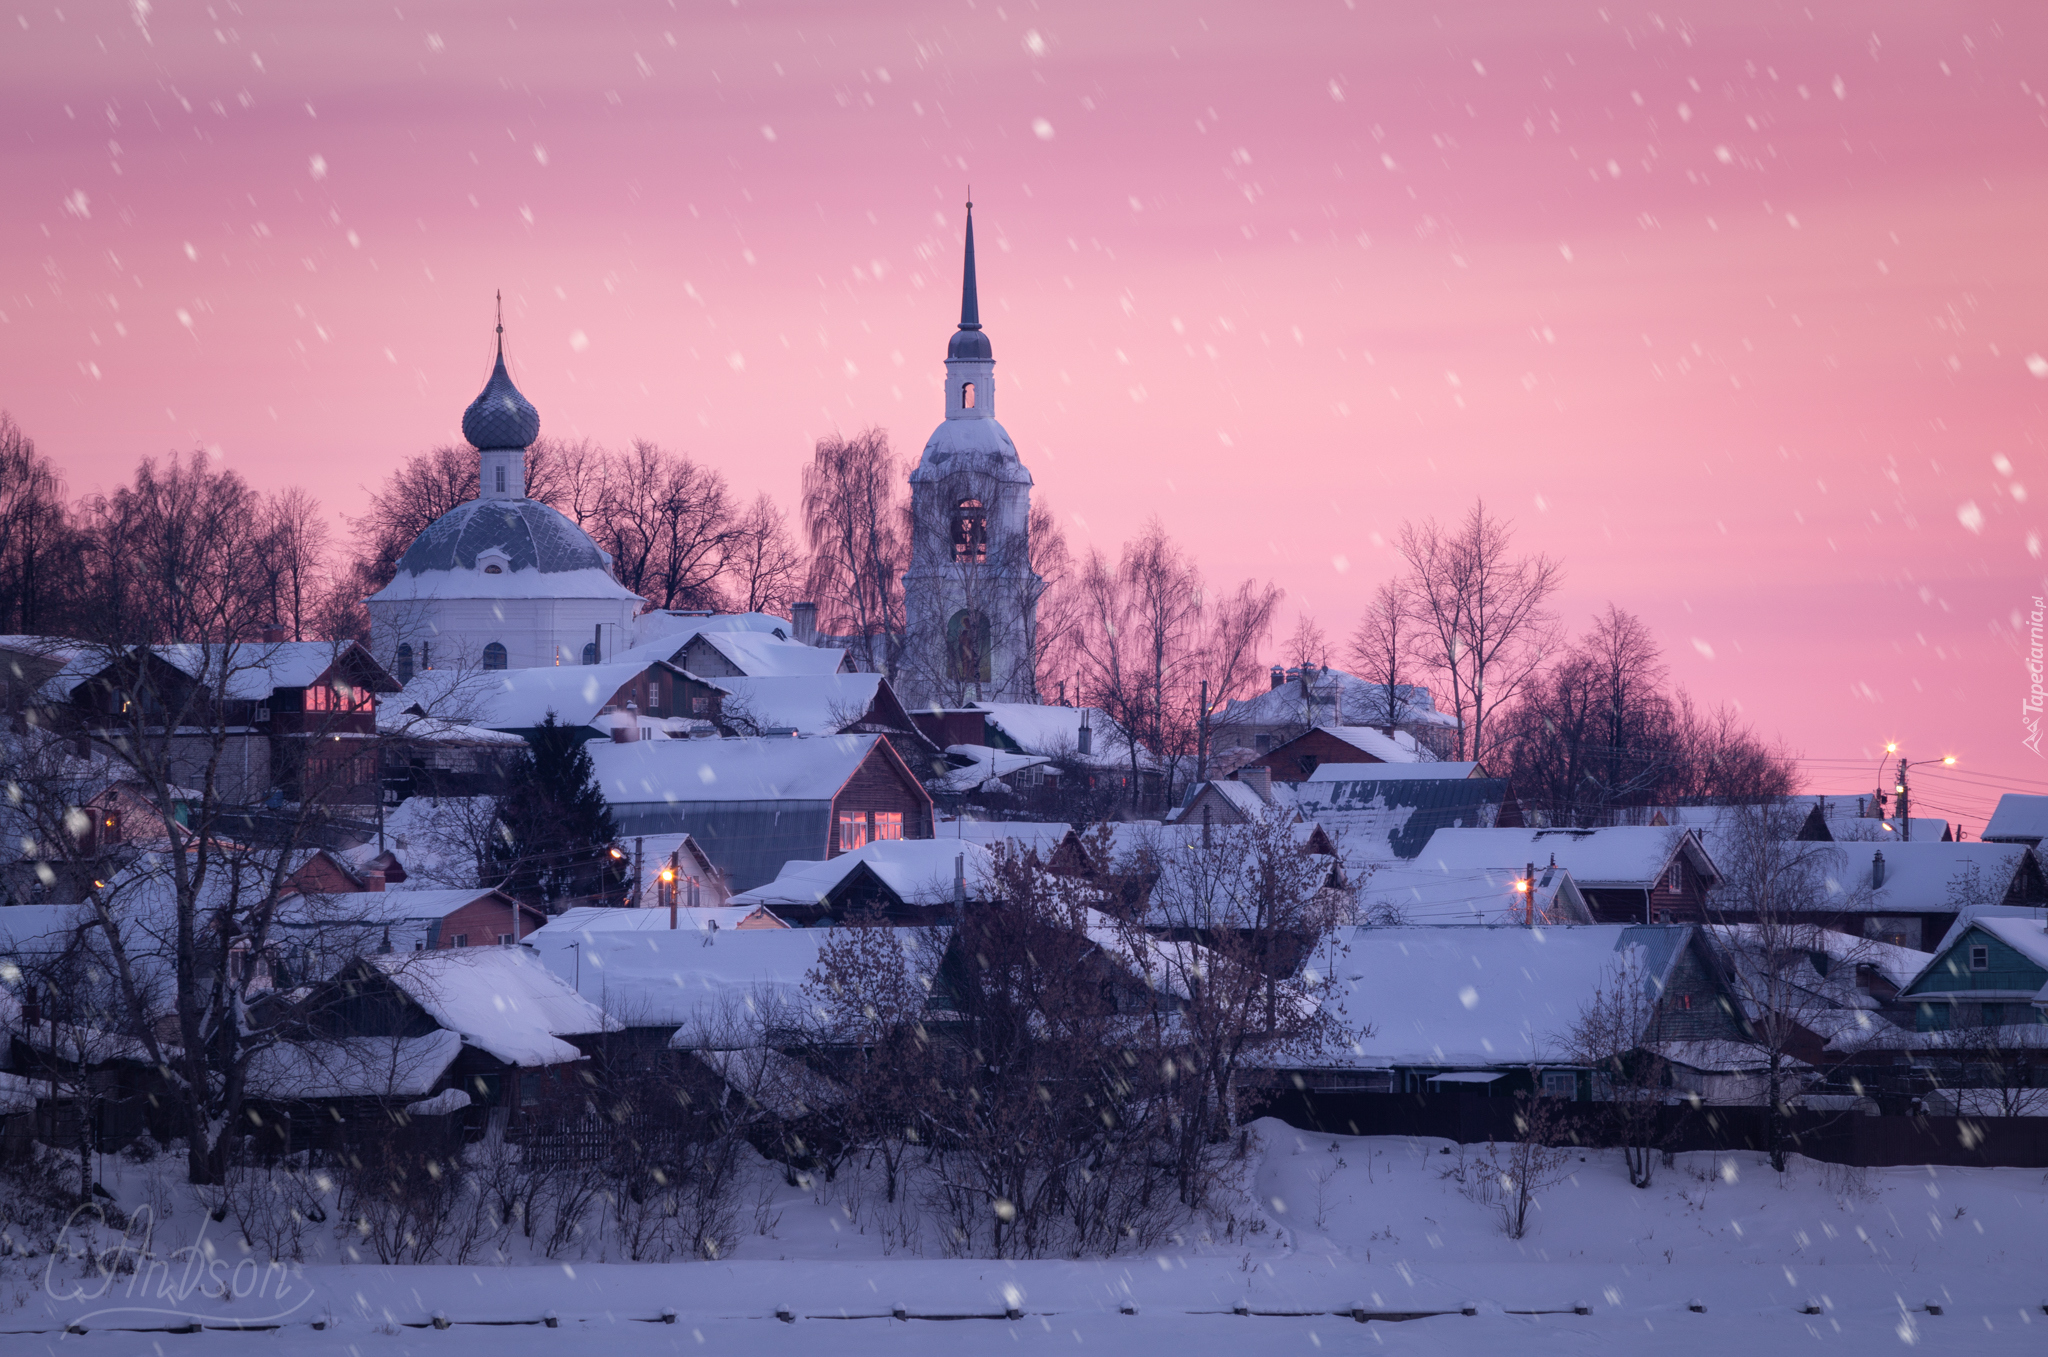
2030	710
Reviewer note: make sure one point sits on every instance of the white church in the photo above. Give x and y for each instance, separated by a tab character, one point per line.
506	582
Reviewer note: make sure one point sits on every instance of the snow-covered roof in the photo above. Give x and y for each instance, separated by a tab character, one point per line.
1334	696
1400	747
354	1067
1020	835
1418	894
573	923
764	769
376	909
1057	731
712	988
1484	997
1922	877
1386	821
810	704
759	656
916	871
517	699
253	669
2018	819
1424	770
18	1094
659	624
985	763
1239	796
1632	856
502	1000
547	556
2026	936
396	719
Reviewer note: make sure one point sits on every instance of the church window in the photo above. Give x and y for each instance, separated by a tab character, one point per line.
967	651
494	656
590	652
501	485
967	395
404	663
970	532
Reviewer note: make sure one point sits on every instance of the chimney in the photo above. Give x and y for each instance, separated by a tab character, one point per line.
804	618
273	633
1087	745
1259	778
1877	871
960	881
373	880
1207	839
1278	677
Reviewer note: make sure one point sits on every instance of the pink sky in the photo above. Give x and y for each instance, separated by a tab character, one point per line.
1731	310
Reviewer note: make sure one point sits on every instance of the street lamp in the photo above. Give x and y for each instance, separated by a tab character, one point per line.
1899	786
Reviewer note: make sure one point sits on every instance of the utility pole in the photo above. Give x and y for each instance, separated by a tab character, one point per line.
1202	737
1905	809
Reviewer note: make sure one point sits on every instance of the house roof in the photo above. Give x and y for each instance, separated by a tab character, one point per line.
984	763
1388	820
376	909
761	656
2026	936
255	669
1021	835
1479	997
502	1000
810	704
1425	770
762	769
2018	819
916	871
1630	856
1056	731
592	919
1338	696
354	1067
520	699
1927	877
1398	748
1420	894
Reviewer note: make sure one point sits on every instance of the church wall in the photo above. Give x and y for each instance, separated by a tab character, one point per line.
458	629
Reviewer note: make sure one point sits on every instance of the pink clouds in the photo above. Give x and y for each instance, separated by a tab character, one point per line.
1739	352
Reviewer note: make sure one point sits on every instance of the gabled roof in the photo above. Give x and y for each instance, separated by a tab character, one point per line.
672	771
1338	697
915	871
1388	820
2026	936
814	704
255	669
353	1067
985	763
759	656
520	699
2018	819
1616	857
502	1001
1377	745
1420	771
1480	997
1928	877
377	909
1420	894
1056	731
1020	835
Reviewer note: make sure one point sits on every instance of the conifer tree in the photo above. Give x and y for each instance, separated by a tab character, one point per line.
558	843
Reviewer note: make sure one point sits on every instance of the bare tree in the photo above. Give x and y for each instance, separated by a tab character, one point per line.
668	524
1778	955
763	569
1483	616
1060	613
1306	645
297	534
38	549
1616	1034
1382	646
855	524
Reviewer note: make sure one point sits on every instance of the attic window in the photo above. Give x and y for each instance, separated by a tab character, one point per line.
888	824
1980	958
494	569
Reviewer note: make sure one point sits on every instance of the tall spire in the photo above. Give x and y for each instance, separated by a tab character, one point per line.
501	323
970	303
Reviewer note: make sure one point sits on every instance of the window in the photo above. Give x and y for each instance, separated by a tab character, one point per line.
967	395
339	697
853	831
967	654
426	654
1685	1003
1263	743
494	569
459	940
888	824
501	486
504	939
590	652
1980	958
494	656
403	663
970	532
1560	1084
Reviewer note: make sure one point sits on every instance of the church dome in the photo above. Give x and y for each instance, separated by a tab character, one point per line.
529	534
970	344
500	417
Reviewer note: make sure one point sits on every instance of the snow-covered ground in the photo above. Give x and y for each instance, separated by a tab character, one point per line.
1339	1224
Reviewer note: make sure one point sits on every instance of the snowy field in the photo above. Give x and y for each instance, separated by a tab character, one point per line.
1340	1225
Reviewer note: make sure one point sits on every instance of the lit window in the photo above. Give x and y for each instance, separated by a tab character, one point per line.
494	656
1980	958
853	831
888	824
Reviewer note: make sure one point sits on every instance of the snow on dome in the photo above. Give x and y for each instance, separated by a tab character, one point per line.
981	446
500	417
530	534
